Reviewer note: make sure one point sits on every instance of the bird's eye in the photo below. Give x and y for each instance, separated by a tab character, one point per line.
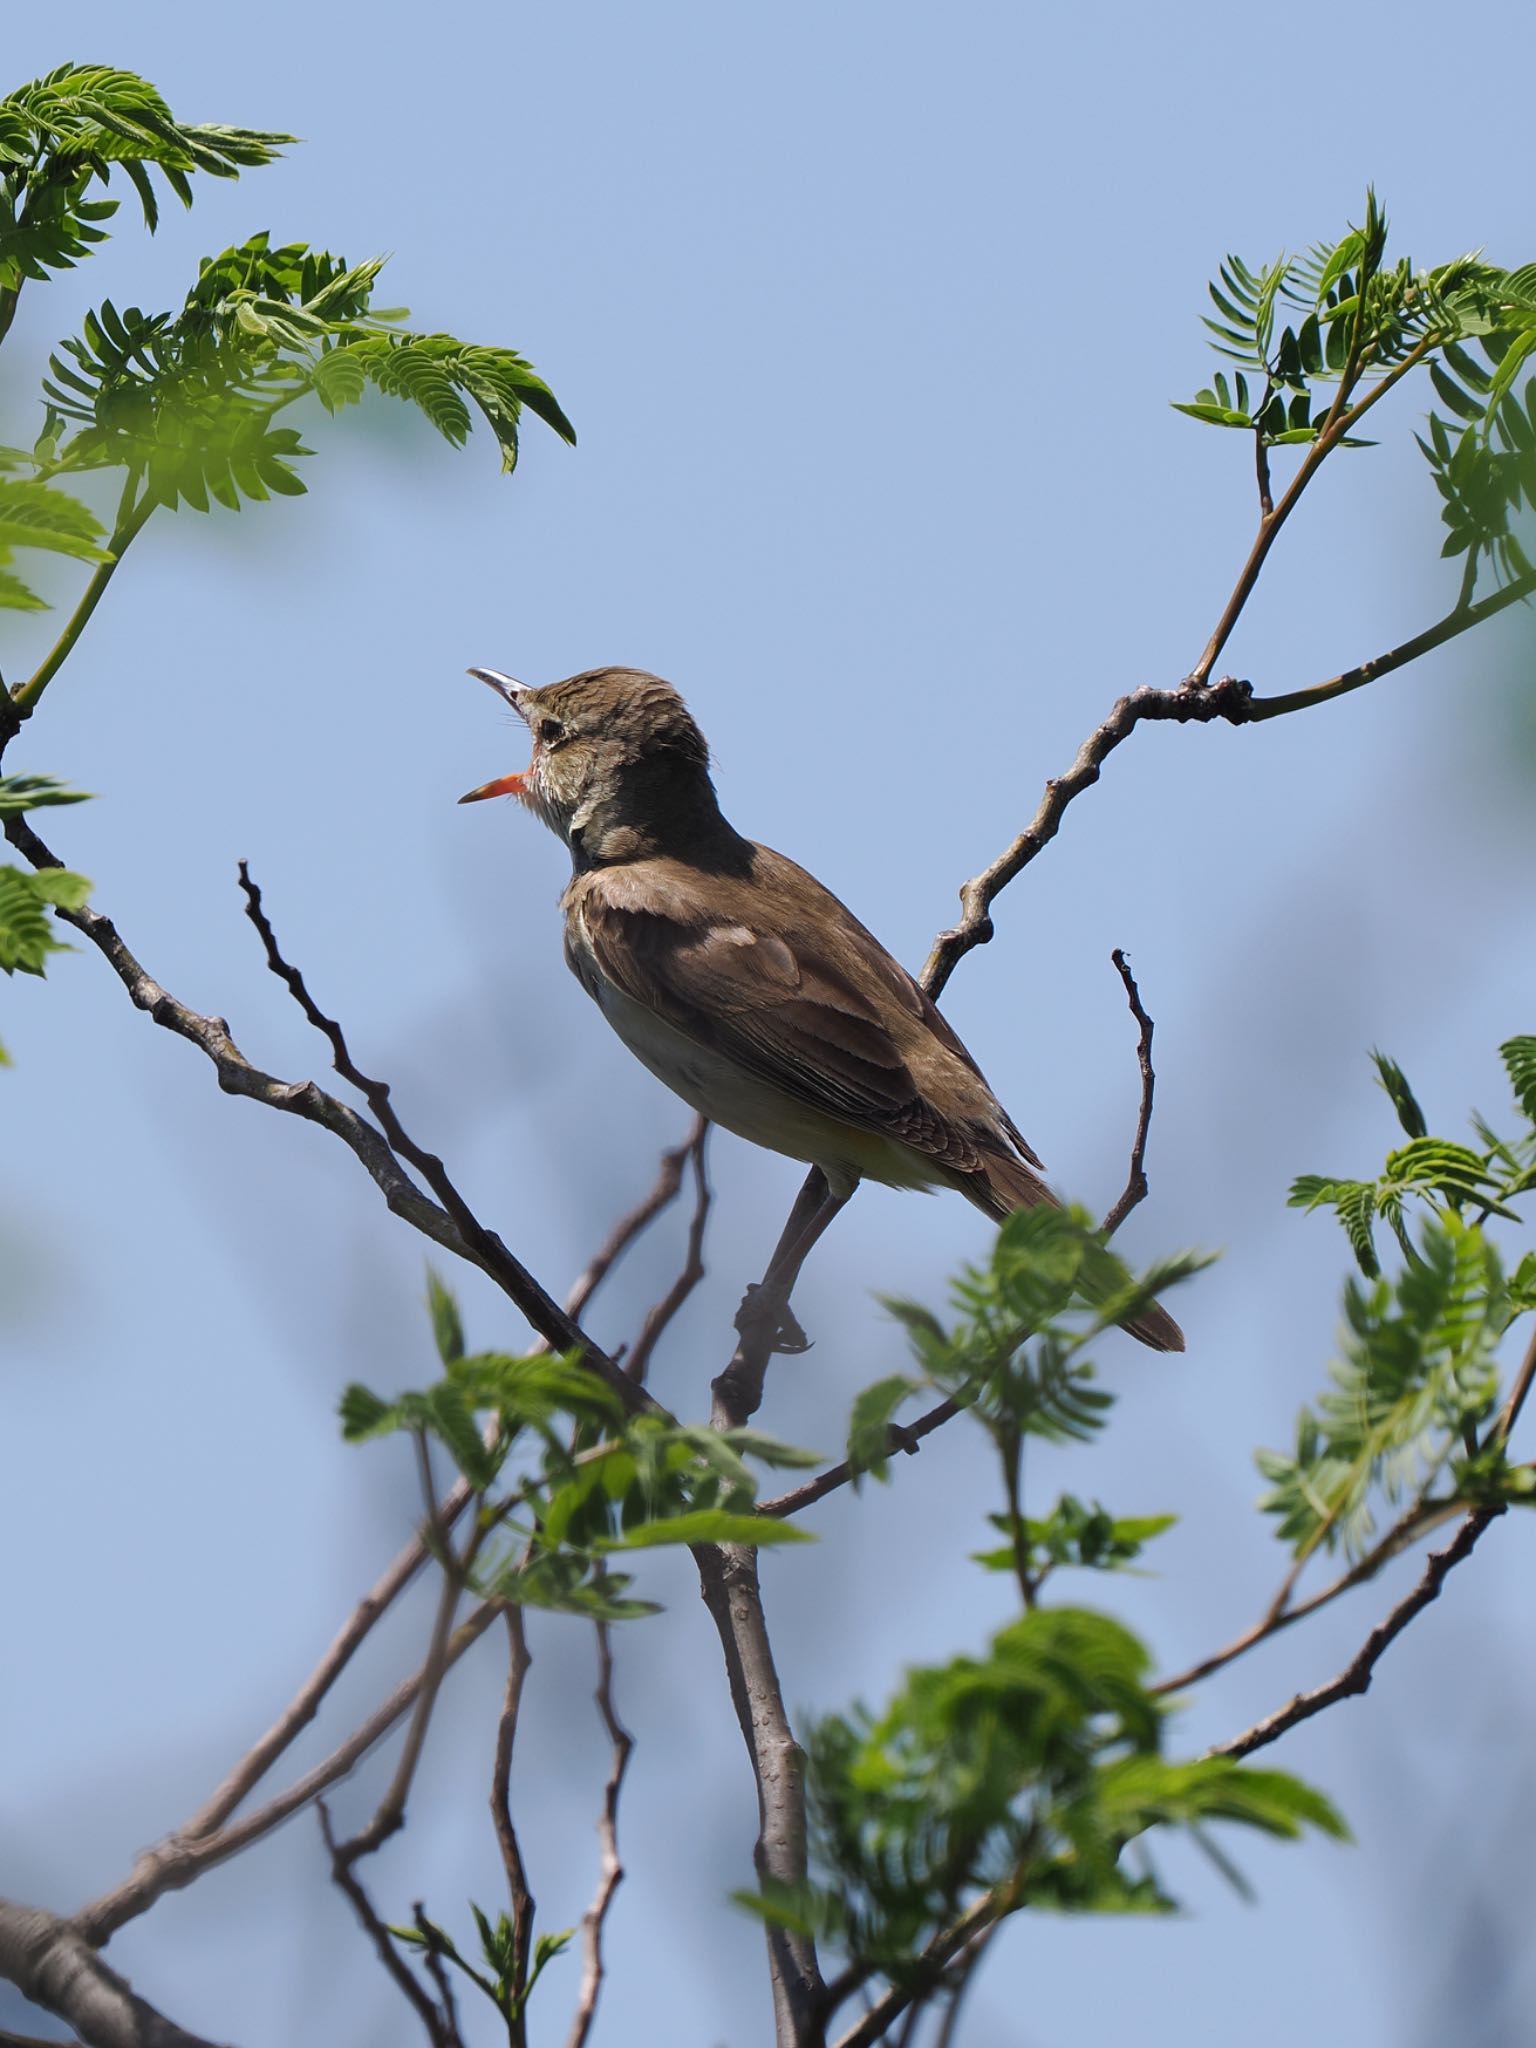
551	731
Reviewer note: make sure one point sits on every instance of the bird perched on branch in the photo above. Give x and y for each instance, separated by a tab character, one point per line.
737	978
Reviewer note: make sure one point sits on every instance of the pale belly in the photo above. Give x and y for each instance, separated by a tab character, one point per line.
754	1109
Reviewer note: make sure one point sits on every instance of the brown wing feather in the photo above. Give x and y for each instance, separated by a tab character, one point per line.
839	1035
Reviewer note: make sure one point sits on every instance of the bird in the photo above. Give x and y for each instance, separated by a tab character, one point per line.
737	978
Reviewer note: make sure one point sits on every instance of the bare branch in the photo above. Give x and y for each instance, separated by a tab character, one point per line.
543	1312
669	1183
1356	1676
610	1869
177	1862
903	1437
1227	699
54	1963
520	1898
728	1579
400	1972
1460	619
693	1263
1136	1180
437	1971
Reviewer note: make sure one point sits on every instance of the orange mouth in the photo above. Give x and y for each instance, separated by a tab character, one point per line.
504	785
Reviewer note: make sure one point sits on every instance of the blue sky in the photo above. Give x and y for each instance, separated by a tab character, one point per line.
867	317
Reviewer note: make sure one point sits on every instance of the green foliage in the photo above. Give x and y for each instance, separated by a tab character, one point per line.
1018	1778
1073	1534
39	515
65	133
499	1979
1360	318
188	402
1018	1353
569	1477
1408	1419
26	930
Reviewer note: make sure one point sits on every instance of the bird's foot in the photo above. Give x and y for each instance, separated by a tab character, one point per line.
761	1317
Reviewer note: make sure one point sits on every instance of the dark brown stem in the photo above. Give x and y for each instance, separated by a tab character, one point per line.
405	1981
1136	1180
903	1437
610	1869
638	1361
1355	1678
543	1312
519	1896
669	1181
1337	425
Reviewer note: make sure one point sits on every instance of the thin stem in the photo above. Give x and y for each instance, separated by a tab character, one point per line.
1460	619
1355	1678
1136	1179
1337	425
131	518
519	1896
693	1262
384	1948
903	1437
611	1869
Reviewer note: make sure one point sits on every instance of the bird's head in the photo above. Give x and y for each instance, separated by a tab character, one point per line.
619	766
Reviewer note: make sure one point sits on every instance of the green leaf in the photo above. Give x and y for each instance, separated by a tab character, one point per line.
447	1330
1519	1057
1214	414
869	1424
710	1525
1395	1081
39	515
26	930
20	793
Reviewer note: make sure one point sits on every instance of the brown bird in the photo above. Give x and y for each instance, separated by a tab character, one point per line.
737	978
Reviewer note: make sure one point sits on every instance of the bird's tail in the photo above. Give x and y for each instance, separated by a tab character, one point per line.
1006	1183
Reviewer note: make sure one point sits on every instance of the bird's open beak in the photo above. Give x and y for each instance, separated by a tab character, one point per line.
508	688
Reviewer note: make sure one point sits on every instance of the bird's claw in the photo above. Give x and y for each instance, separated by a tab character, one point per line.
759	1314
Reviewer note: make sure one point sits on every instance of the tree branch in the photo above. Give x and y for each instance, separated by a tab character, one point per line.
1356	1676
669	1181
403	1977
693	1263
611	1870
177	1862
728	1579
1136	1179
54	1963
519	1897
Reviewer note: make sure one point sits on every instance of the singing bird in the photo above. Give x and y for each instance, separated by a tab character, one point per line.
737	978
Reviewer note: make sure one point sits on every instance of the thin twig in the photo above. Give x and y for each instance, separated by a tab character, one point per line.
1355	1678
661	1314
519	1897
1136	1180
1460	619
437	1971
669	1183
610	1869
1281	1614
130	522
903	1437
176	1863
875	2021
404	1978
541	1309
1338	423
389	1815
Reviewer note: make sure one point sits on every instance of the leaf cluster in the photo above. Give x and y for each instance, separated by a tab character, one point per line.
1312	338
566	1476
1018	1777
62	136
1017	1355
499	1978
1072	1534
1409	1414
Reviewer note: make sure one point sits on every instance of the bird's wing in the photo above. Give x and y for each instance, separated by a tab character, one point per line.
816	1008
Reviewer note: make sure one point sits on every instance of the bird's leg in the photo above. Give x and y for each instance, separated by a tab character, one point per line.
765	1322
